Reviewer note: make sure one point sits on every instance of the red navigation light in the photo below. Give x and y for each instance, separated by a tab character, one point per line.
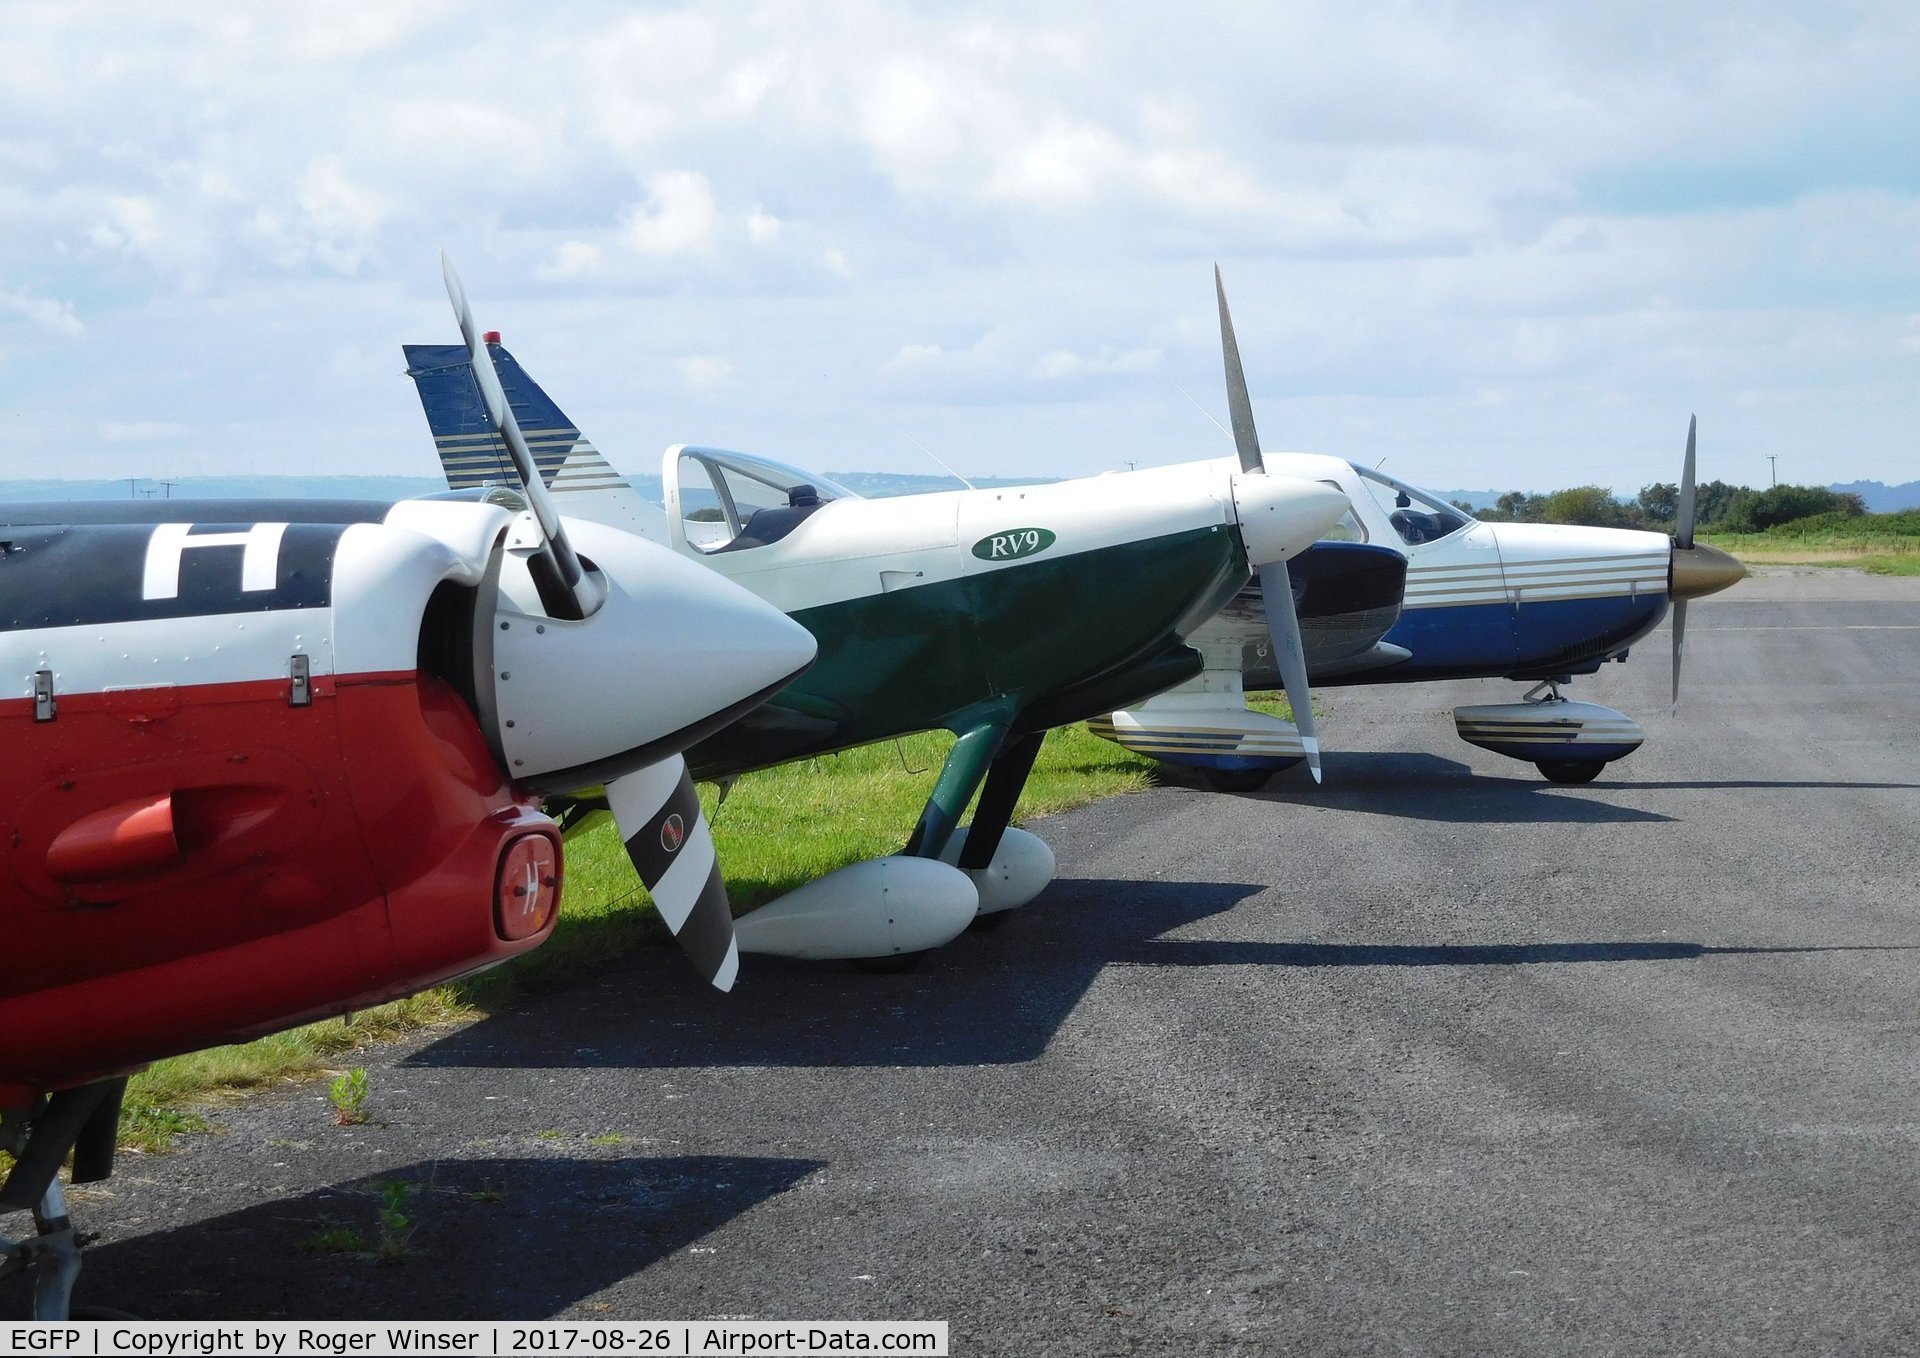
527	892
491	337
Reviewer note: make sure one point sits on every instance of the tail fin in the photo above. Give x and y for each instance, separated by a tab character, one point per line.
472	453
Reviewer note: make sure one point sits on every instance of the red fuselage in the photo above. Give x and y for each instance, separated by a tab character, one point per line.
186	864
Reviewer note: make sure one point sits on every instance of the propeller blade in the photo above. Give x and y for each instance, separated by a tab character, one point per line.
1239	405
1283	623
1679	638
565	588
1683	515
1276	587
667	838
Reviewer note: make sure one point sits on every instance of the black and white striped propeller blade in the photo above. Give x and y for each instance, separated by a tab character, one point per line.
566	590
671	846
1276	586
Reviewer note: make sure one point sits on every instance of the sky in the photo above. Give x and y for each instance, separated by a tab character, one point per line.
1486	245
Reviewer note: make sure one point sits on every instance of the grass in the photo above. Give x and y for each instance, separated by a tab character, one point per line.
1885	544
777	829
158	1093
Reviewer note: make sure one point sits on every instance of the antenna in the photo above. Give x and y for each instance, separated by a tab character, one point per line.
942	461
1203	410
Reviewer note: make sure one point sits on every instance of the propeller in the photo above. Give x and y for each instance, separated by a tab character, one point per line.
1696	568
1683	541
595	631
1276	587
565	588
671	847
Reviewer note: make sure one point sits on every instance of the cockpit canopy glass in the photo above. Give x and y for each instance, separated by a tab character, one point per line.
1349	529
731	502
1416	515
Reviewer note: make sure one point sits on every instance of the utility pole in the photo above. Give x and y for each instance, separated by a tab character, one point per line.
132	481
1773	474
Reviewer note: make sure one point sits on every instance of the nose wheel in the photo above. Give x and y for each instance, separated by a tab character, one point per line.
1236	780
1570	770
1568	741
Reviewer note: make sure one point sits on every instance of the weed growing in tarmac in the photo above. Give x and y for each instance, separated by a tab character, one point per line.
349	1097
333	1240
396	1224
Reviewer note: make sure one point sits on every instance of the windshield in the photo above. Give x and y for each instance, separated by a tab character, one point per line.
732	501
1416	515
1349	529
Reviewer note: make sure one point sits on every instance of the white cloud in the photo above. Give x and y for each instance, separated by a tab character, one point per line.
678	217
127	223
572	259
763	228
703	372
1064	363
330	220
49	314
1572	209
911	356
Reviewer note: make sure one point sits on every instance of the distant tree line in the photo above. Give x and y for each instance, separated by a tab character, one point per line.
1718	507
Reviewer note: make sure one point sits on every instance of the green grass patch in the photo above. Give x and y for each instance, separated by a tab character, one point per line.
1886	544
778	828
333	1240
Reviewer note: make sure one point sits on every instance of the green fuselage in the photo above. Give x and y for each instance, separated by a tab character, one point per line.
1045	642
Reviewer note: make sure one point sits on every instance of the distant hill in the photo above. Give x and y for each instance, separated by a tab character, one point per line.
1883	499
1479	499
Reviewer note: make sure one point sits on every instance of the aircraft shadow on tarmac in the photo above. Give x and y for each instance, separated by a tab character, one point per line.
985	999
1419	786
1248	953
1762	785
500	1239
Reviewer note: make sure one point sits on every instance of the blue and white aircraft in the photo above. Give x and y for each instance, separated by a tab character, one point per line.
1537	603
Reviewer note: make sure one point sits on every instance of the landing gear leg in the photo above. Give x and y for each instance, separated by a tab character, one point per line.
1546	691
973	754
967	763
51	1256
1006	779
83	1121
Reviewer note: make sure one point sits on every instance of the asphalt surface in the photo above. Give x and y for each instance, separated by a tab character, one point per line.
1438	1058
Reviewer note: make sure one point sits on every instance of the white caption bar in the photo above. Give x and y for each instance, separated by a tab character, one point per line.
331	1339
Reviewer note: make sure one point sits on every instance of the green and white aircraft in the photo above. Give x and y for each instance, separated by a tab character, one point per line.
994	614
